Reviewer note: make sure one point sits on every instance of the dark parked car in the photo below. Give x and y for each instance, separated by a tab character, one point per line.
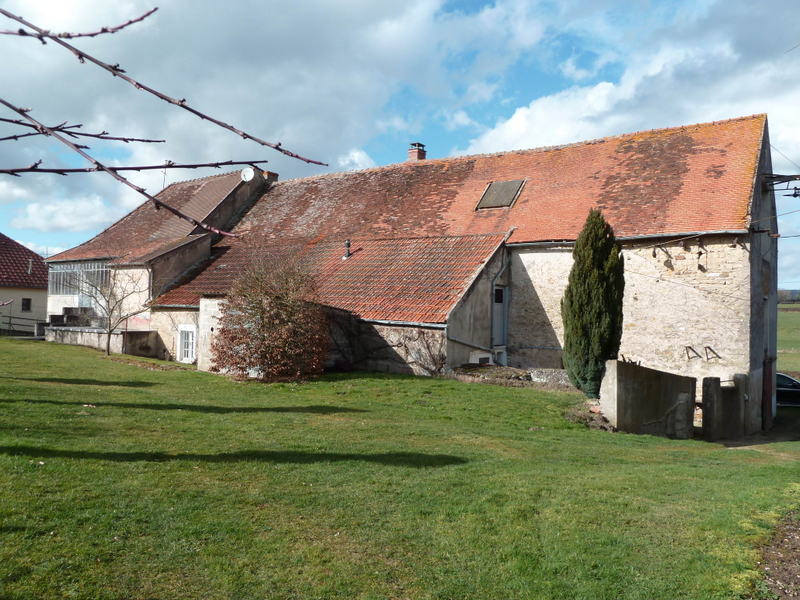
788	390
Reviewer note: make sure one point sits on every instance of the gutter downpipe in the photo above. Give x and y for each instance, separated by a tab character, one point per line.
406	323
468	344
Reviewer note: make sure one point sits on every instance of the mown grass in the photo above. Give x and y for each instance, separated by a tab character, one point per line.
117	481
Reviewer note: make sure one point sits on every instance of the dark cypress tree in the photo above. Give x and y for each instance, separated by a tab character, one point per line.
591	309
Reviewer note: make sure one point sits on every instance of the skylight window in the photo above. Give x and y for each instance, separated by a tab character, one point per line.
499	194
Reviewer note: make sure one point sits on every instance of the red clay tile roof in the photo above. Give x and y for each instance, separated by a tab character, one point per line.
14	261
685	179
146	228
393	279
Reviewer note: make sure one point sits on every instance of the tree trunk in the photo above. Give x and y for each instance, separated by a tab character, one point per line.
108	343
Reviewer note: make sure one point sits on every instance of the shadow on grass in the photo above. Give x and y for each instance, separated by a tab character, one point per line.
74	381
396	459
786	428
316	409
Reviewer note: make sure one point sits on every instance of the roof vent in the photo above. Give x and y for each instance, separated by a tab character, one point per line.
416	151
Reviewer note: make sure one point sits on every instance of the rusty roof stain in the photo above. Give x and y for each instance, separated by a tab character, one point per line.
659	182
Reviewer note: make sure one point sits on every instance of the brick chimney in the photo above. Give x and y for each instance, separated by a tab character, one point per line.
416	151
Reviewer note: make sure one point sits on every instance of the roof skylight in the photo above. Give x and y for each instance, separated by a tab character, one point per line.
500	194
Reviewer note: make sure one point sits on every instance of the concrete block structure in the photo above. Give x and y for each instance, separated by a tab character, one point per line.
636	399
468	257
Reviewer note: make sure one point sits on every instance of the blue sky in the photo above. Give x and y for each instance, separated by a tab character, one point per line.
352	83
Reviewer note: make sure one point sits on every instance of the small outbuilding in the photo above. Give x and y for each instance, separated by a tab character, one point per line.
23	288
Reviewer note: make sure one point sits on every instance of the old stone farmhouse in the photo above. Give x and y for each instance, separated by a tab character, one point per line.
23	288
466	259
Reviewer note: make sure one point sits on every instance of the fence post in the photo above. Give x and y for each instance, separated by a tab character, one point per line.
741	401
712	408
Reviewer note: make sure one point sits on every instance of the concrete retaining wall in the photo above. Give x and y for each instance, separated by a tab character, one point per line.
729	411
137	343
641	400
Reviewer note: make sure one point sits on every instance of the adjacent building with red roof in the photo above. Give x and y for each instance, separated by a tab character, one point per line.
474	251
23	288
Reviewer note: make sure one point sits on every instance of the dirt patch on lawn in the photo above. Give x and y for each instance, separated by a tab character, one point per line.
543	379
780	559
588	413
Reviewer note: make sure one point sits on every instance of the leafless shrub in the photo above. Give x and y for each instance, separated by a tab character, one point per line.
271	326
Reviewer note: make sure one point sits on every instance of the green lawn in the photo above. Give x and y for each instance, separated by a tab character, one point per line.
118	481
789	338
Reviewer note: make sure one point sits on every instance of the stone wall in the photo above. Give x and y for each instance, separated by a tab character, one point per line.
535	332
165	323
207	323
686	307
401	349
355	344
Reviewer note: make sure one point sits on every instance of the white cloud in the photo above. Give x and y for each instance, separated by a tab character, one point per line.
458	119
10	192
393	123
679	77
315	76
570	69
83	214
354	160
480	91
42	249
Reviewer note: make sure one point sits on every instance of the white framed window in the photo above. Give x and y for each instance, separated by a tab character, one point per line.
185	343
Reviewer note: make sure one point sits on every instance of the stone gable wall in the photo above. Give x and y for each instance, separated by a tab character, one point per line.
691	294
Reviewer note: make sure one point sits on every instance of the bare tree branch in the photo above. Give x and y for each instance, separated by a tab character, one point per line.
113	298
24	135
34	168
68	129
45	130
67	35
117	71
